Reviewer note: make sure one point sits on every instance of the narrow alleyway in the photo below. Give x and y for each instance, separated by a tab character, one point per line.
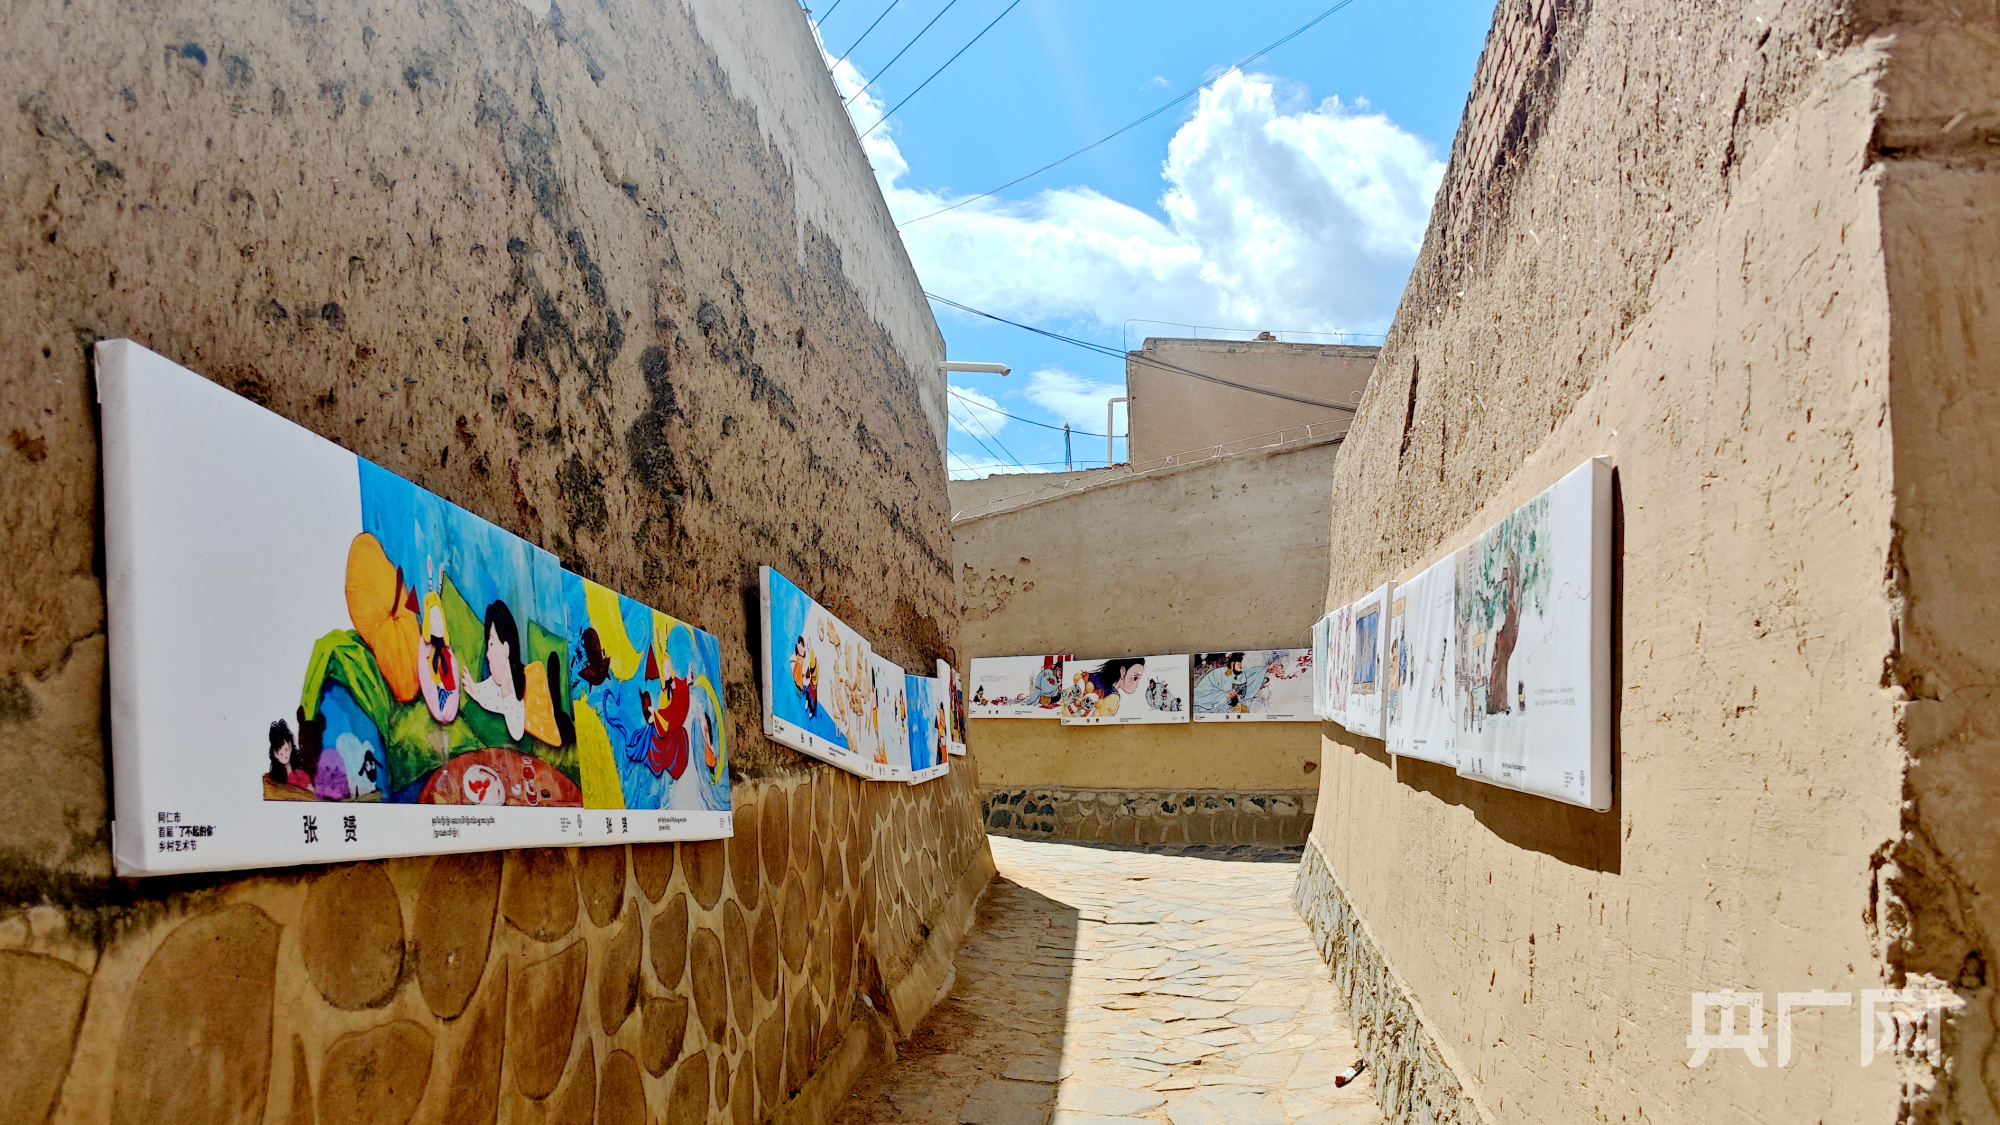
1105	987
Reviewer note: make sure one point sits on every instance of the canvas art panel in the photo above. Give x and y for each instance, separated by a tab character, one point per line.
1532	625
1340	662
645	693
311	656
818	687
929	754
1421	719
891	717
1320	669
1367	686
1125	689
1252	685
954	689
1016	687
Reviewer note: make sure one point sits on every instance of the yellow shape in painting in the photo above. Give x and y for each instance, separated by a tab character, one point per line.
721	732
595	763
609	621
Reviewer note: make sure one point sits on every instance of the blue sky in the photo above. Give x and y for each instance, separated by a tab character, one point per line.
1289	197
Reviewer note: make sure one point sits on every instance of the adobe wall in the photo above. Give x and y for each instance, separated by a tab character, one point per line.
1228	553
1733	247
1173	413
614	276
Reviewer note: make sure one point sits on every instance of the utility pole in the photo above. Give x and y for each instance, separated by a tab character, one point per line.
1067	466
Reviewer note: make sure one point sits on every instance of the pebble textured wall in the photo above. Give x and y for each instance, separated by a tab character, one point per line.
677	983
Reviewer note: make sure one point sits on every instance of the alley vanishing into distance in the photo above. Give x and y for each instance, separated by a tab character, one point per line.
1107	986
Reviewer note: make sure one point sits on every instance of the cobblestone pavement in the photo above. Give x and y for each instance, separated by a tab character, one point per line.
1107	987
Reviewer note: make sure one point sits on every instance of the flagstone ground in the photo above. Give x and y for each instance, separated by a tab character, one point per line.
1103	987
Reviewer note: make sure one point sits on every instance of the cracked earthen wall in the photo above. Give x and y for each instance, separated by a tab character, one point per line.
1747	251
614	276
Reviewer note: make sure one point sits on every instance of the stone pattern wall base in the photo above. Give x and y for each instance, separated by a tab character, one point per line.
1415	1078
1279	818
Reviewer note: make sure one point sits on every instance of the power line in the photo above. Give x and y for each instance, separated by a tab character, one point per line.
1128	127
865	34
1018	418
899	54
989	433
829	11
1143	360
941	70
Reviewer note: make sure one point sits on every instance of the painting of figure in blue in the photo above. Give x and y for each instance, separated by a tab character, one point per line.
646	691
819	686
923	733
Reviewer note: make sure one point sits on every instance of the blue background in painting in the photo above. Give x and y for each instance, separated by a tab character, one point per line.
789	608
423	533
694	654
923	741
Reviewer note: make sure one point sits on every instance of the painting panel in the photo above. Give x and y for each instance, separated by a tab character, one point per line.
1125	689
1016	687
954	698
929	756
1340	662
1320	669
1532	620
1252	685
370	651
891	718
1367	686
818	687
1421	720
645	694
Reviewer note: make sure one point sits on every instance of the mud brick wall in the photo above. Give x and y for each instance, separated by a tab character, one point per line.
615	276
1746	250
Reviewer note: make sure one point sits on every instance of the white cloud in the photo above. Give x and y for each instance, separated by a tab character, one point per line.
972	466
1072	398
975	413
1156	82
1307	219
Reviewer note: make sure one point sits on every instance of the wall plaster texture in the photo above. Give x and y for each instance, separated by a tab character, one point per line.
1747	251
614	276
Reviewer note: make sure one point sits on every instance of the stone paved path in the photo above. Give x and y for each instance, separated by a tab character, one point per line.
1108	987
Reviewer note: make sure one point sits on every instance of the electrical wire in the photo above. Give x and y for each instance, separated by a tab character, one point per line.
941	70
1018	418
989	433
829	11
899	54
1128	127
1145	361
865	34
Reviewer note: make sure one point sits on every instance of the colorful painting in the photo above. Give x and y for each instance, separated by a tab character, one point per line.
1367	636
1253	685
1125	689
645	694
891	717
1016	687
929	755
1421	722
954	692
1532	626
390	674
818	682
